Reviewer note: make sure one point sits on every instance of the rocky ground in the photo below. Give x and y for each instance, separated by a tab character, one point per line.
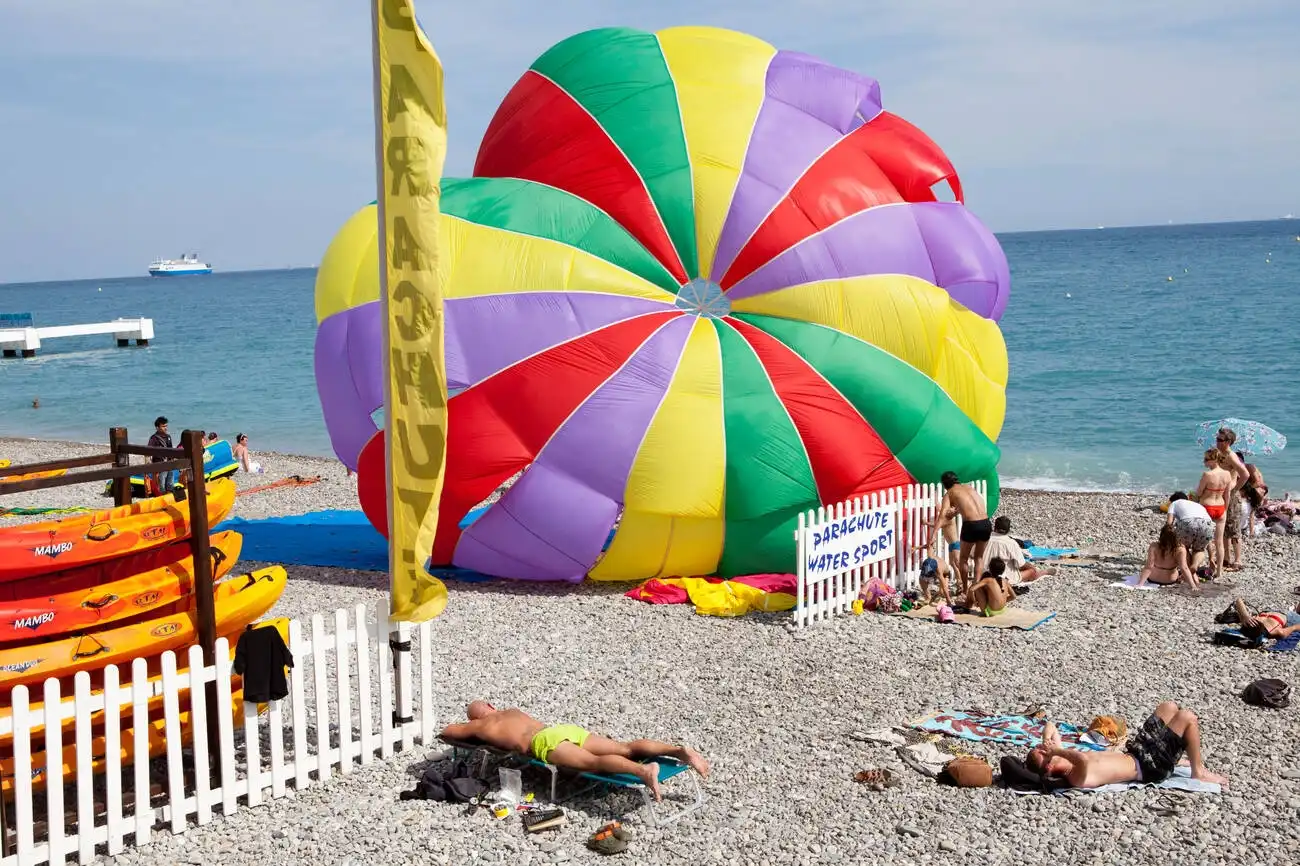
776	712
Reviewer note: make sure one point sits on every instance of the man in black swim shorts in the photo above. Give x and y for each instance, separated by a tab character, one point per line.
976	528
1150	756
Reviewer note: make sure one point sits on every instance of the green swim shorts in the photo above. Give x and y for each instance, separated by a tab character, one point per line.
990	612
545	740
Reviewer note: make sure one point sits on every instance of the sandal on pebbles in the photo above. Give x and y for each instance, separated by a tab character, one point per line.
610	839
877	779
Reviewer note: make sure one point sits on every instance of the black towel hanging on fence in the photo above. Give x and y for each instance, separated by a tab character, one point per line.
261	658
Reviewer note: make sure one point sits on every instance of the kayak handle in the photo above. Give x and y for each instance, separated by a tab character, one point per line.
99	649
94	604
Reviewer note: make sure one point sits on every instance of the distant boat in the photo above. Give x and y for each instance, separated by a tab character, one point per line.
186	265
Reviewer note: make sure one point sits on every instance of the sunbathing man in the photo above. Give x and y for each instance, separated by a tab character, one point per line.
569	746
991	593
1150	756
976	529
1267	624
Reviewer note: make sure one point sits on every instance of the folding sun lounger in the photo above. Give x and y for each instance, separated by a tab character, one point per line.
668	769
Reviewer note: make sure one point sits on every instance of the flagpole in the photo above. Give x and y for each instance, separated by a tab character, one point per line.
382	240
399	647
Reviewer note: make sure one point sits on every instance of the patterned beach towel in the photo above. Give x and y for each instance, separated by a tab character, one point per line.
1011	729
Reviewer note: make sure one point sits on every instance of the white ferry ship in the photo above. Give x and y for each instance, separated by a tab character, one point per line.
186	265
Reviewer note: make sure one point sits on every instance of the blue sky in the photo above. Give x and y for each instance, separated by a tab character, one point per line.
243	128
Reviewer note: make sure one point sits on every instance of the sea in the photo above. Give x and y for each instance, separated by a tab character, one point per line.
1121	341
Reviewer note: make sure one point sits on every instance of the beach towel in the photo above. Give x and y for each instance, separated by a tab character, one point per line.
1286	645
1010	729
1049	552
1011	617
1131	582
713	596
1181	780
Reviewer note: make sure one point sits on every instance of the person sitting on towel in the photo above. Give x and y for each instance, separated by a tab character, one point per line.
1006	548
1267	624
569	746
976	528
1167	562
1150	756
991	593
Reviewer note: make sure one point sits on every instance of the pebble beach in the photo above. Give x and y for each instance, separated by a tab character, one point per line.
781	713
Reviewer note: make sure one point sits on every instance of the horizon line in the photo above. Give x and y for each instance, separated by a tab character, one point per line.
263	270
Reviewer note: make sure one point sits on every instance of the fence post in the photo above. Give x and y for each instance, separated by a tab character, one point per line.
204	600
121	486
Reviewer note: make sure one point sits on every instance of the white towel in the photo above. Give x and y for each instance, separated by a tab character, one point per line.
1131	582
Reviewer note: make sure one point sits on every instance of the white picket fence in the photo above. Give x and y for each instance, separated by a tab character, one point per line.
822	593
351	697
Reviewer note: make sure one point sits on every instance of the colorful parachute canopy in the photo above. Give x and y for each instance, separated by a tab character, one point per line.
696	286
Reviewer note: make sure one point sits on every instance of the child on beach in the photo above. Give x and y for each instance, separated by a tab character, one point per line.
991	593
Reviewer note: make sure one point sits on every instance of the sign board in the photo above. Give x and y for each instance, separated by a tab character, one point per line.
851	541
15	320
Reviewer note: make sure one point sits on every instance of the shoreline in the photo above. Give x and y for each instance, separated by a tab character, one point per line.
280	456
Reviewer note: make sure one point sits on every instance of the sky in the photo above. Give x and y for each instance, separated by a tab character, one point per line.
243	129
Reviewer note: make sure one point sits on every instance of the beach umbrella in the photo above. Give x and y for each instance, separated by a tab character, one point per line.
696	286
1252	436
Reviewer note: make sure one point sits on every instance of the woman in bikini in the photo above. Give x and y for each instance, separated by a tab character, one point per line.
1267	624
1212	493
1167	562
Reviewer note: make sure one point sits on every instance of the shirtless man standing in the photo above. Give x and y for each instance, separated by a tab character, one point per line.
569	746
1150	756
976	528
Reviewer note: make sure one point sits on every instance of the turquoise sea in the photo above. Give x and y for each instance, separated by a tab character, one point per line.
1113	363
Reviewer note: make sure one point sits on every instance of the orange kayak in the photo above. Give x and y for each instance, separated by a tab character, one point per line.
155	703
239	601
33	549
94	596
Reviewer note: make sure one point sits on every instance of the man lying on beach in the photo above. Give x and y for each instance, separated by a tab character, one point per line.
991	593
976	529
1150	756
1267	624
569	746
1002	546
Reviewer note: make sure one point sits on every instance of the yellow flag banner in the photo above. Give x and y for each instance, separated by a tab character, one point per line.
411	144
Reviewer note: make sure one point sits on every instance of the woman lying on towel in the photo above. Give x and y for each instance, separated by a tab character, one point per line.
1167	562
1267	624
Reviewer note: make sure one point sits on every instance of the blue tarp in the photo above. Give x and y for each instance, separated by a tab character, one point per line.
332	539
